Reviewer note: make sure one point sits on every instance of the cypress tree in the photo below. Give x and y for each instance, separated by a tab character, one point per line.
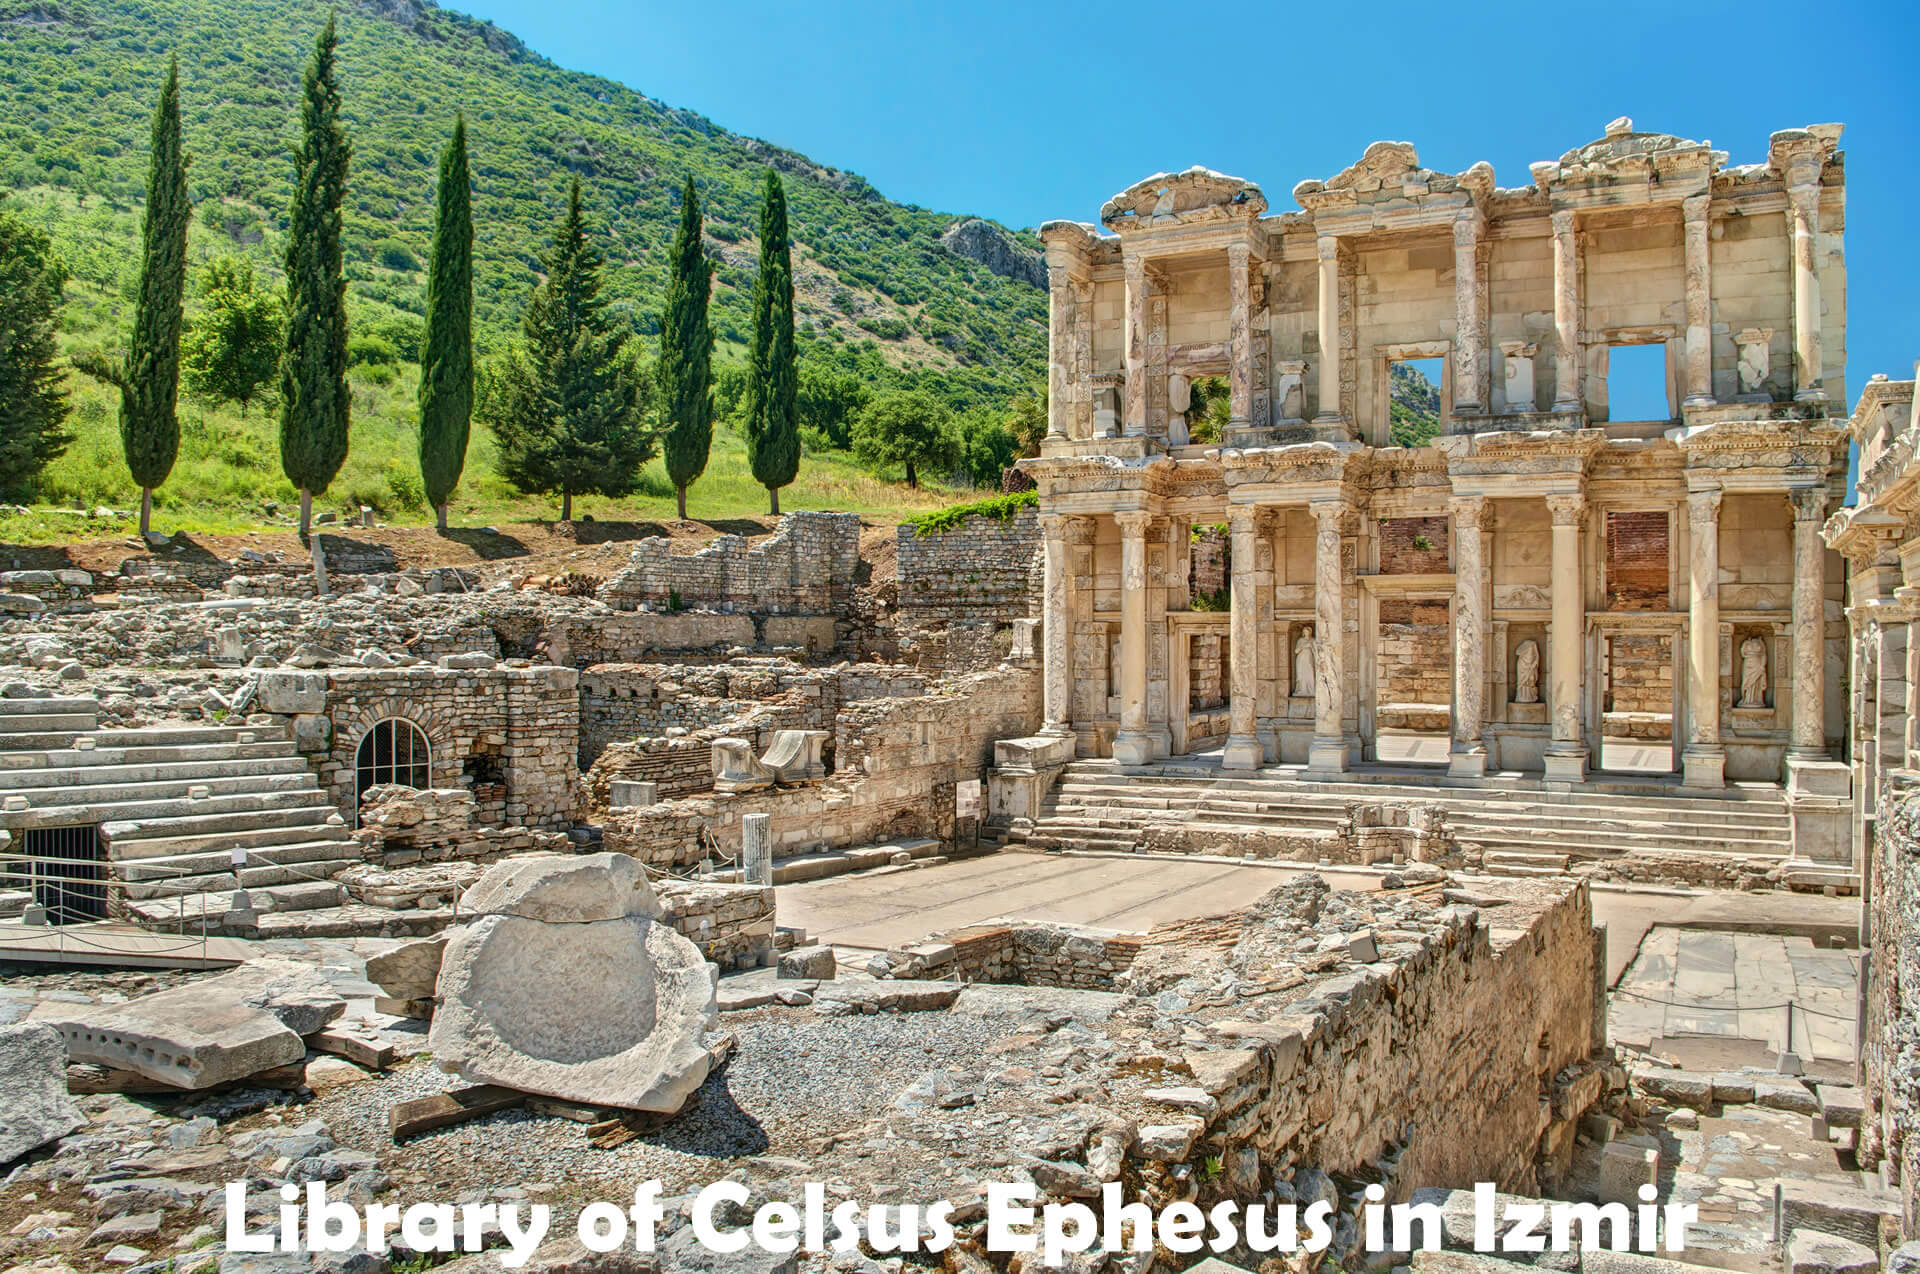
446	355
686	353
571	406
773	425
149	378
314	404
33	396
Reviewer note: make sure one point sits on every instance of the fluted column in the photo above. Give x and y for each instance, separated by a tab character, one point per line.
1809	731
1566	758
1060	333
1328	752
1699	301
1243	751
1329	248
1056	629
1469	756
1804	201
1704	761
1132	745
1566	314
1468	306
1134	415
1239	335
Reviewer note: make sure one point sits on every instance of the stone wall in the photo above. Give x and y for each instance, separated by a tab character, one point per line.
1890	1047
806	568
1640	674
1414	546
731	924
1415	658
962	588
1023	953
896	762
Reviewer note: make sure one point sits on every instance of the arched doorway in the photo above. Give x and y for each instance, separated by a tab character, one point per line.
393	751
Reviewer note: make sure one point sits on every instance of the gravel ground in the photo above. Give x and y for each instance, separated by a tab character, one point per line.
794	1080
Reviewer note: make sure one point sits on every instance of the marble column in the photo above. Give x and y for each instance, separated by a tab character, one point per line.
1566	757
1804	202
1703	761
1179	563
1567	395
1239	336
1809	730
1329	753
1329	412
1699	301
1469	755
1243	750
1056	629
1133	745
1469	305
1061	313
1134	414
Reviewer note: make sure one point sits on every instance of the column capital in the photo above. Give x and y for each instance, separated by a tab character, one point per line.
1133	523
1567	507
1694	207
1328	247
1466	228
1054	525
1563	221
1243	519
1703	507
1468	510
1809	504
1332	515
1804	195
1239	255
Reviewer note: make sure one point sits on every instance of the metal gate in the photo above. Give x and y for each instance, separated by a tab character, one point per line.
68	867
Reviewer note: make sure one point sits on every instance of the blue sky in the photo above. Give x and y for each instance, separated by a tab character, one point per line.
1027	112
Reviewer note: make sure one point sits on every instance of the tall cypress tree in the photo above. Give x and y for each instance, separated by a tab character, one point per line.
314	404
446	355
571	409
149	378
686	353
773	424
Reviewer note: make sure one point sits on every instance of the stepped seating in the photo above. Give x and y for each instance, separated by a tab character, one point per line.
1098	805
171	805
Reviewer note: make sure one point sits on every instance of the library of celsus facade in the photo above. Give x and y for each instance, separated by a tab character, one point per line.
1544	592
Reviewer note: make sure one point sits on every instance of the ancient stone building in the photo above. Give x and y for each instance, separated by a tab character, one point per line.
1543	589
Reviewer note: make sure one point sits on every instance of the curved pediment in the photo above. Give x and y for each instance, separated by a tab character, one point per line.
1198	194
1390	168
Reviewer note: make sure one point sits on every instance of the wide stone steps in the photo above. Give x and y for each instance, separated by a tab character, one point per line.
89	782
212	906
286	830
1294	786
280	865
238	804
44	722
13	764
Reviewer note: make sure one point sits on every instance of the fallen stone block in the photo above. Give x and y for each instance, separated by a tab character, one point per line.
571	984
1842	1106
1462	1263
1605	1261
1812	1252
807	962
207	1033
33	1077
1838	1210
1682	1088
1730	1086
893	995
409	971
1624	1168
1788	1095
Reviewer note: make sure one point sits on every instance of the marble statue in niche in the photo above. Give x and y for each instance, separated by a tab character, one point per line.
1526	673
1753	673
1303	672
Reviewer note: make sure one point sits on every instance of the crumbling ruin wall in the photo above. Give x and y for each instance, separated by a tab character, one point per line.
1023	953
806	568
1890	1049
962	588
731	924
896	762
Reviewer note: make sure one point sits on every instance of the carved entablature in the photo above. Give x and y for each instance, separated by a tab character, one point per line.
1867	536
1802	155
1624	157
1764	448
1076	246
1302	464
1538	452
1886	426
1196	196
1058	476
1390	173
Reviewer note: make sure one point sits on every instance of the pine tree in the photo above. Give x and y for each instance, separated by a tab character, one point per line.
446	355
314	404
686	353
570	406
773	425
33	400
149	377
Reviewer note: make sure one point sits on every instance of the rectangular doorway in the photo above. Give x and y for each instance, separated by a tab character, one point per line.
68	871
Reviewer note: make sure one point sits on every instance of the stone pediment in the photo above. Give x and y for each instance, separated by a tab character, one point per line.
1624	152
1194	196
1390	170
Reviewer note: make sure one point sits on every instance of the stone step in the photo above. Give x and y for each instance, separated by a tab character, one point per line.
206	817
190	773
1495	860
1348	793
57	807
200	873
51	706
12	723
1614	844
179	908
189	856
1818	877
13	902
151	736
1471	825
155	754
1546	814
355	920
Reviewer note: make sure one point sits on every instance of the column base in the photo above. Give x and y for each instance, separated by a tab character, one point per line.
1057	730
1566	767
1703	767
1133	747
1327	756
1243	752
1818	776
1469	763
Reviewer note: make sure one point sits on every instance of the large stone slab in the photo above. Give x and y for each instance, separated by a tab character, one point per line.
410	970
1812	1252
207	1033
606	1012
563	889
34	1106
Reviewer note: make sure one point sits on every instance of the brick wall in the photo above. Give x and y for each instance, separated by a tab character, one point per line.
1637	560
1640	670
1414	659
1400	546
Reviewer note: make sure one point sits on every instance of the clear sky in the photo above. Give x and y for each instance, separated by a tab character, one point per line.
1027	112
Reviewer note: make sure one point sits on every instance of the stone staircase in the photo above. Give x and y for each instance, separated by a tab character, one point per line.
1098	805
171	804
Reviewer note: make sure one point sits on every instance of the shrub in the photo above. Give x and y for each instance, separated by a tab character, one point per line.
1000	508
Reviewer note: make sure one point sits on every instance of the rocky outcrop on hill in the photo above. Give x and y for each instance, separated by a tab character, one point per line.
994	248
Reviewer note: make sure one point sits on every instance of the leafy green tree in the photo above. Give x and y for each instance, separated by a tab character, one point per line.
570	406
314	404
773	422
148	378
987	447
1026	420
232	347
906	427
33	398
446	355
686	353
828	401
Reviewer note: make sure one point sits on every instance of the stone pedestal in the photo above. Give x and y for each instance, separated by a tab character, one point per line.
1819	799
